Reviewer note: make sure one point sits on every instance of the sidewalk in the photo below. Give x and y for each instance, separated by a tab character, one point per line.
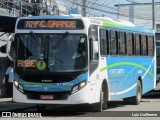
5	100
6	104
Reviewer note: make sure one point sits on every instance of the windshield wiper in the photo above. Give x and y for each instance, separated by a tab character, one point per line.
36	40
3	34
59	42
26	51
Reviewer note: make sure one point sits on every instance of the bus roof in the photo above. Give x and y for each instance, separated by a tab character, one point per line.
104	21
51	17
122	24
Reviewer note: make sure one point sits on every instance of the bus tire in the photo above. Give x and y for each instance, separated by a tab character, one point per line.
98	107
137	99
127	100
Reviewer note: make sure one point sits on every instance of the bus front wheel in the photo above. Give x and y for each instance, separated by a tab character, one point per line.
137	99
98	107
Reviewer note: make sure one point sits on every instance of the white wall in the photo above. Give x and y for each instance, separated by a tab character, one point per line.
142	14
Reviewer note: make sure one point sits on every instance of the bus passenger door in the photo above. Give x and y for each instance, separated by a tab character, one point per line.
103	52
93	62
93	49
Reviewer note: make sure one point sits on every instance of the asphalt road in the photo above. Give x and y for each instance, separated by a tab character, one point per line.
149	108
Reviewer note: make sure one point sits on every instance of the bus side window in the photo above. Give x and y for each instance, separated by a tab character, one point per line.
129	44
153	45
137	44
113	42
121	43
141	45
144	47
103	42
107	38
150	45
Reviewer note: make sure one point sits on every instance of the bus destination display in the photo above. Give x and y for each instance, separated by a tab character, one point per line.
50	24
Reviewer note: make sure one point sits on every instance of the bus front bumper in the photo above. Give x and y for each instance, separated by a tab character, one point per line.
80	97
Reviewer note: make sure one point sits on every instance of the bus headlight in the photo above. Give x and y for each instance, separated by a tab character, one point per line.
78	87
18	86
82	84
16	83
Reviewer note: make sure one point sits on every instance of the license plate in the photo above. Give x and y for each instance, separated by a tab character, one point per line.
47	97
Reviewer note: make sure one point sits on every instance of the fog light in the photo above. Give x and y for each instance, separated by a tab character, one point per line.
20	88
75	89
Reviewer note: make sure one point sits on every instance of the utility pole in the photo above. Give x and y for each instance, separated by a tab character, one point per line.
153	14
131	11
20	9
84	8
118	11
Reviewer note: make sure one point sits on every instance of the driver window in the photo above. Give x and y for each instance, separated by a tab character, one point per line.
80	56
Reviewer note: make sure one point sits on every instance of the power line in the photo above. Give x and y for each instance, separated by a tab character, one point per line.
148	20
111	2
109	12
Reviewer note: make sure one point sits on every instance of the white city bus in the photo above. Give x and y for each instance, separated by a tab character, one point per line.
79	60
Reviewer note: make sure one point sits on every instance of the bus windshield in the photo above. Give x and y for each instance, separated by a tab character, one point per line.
61	52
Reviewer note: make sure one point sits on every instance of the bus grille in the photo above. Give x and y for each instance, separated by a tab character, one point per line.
57	95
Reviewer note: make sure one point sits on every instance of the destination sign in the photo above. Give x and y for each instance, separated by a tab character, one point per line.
50	24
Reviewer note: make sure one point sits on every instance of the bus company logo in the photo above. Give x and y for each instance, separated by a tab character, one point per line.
41	65
117	71
27	63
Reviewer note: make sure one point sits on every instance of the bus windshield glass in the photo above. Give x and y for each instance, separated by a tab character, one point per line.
61	52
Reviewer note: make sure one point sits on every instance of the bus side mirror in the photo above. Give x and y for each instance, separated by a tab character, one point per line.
8	50
11	37
93	48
